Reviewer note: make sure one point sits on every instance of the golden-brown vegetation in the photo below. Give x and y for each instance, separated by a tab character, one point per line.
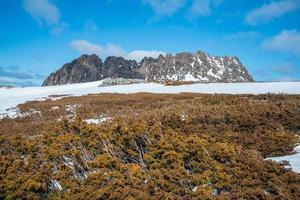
156	146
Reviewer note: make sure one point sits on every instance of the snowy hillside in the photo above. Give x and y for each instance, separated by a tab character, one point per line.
10	98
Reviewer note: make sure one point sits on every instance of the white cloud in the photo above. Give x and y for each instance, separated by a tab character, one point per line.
44	11
285	41
202	8
165	7
170	7
113	50
7	80
140	54
273	10
86	47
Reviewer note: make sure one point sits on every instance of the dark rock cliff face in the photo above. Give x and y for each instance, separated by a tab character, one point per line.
119	67
199	67
88	68
83	69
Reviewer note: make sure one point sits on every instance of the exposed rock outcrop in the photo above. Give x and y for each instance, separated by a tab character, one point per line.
194	67
86	68
198	67
120	67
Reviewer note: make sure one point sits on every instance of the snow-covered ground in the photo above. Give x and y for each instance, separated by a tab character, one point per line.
294	159
10	98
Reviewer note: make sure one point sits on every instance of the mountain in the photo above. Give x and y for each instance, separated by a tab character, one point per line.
116	67
83	69
199	67
89	68
195	67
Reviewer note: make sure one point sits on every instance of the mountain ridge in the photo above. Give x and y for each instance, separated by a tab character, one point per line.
184	66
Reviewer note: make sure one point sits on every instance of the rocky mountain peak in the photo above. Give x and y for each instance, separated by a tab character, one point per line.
83	69
121	68
200	67
120	61
185	66
201	54
88	60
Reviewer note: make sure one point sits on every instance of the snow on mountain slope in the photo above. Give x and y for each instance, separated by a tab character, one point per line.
199	66
10	98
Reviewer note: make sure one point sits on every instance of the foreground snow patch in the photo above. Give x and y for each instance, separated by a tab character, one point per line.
97	120
10	98
294	159
55	185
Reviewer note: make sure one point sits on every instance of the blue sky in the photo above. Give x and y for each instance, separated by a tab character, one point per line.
38	36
